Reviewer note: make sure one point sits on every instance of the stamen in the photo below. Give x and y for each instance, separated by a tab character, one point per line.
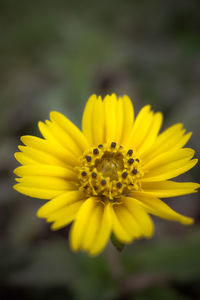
88	158
134	171
103	182
95	151
124	175
130	152
131	161
94	175
113	145
119	185
108	173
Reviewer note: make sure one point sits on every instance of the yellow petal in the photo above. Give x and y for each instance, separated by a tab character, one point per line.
66	198
121	234
120	120
49	132
64	212
55	134
139	214
63	138
97	122
65	215
37	157
169	133
175	142
70	129
110	103
167	158
50	149
46	170
140	128
37	192
80	224
158	208
127	221
23	159
46	132
128	118
46	182
170	170
164	189
171	139
87	120
183	140
109	120
103	232
151	134
92	228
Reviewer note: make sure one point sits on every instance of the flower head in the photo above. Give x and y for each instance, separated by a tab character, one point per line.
108	178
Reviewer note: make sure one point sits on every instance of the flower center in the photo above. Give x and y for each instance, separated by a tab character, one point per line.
109	171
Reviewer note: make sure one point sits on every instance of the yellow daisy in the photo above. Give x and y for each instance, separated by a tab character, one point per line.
107	178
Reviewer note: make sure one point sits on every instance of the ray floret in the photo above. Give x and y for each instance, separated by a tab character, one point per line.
107	178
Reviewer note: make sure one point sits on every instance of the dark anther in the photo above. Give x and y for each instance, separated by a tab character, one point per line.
119	185
95	188
94	175
137	160
134	171
88	158
124	174
113	145
131	161
100	146
130	152
96	151
103	182
83	173
120	147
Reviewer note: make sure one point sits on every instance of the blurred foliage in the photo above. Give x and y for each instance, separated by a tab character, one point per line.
54	54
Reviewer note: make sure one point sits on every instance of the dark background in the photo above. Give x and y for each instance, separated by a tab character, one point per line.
54	55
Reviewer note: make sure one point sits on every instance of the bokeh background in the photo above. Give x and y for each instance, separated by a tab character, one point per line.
53	56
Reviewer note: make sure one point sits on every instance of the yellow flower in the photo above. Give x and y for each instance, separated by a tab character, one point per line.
108	178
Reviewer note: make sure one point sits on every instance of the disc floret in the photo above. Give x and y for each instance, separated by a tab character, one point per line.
109	171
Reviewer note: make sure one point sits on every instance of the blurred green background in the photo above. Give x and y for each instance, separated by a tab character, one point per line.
54	55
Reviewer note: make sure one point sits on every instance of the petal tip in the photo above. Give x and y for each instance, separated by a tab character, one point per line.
40	213
187	221
15	187
53	114
16	171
